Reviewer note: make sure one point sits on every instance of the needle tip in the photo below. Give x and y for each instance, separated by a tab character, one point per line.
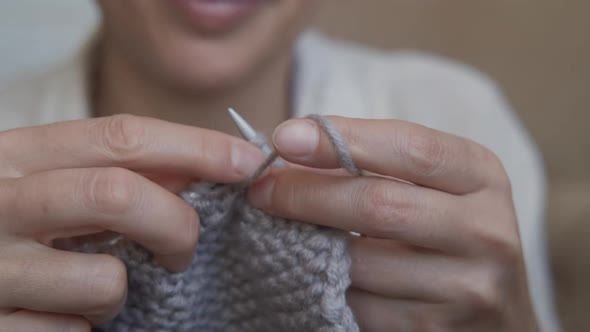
232	112
244	127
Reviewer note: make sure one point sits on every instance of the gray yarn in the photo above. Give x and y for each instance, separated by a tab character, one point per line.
339	143
251	272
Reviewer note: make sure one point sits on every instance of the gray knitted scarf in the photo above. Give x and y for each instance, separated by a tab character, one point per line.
251	271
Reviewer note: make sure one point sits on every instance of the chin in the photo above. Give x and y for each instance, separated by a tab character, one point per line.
211	65
205	45
203	70
208	63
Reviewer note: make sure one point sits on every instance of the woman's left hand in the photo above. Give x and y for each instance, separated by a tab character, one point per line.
441	249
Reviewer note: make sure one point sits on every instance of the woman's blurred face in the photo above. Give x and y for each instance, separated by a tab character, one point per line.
203	44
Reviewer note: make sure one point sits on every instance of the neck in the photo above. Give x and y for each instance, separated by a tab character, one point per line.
122	87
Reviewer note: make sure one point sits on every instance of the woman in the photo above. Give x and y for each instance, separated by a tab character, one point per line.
442	253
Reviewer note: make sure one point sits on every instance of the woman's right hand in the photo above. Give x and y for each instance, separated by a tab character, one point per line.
83	177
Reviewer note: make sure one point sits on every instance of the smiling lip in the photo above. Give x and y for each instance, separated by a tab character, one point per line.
216	15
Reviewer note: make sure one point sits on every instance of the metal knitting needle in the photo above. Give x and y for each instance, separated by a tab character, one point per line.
246	130
249	133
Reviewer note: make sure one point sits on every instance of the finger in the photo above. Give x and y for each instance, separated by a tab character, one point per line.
141	144
376	313
30	321
398	271
42	279
393	148
66	203
368	205
171	182
77	242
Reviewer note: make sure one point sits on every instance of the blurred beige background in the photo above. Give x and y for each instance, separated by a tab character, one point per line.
539	51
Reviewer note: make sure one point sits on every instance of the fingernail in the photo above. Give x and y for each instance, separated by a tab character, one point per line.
260	193
246	159
297	138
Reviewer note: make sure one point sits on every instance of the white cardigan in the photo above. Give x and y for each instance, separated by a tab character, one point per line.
350	80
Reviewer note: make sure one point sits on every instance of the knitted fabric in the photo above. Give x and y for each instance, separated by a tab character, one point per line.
251	272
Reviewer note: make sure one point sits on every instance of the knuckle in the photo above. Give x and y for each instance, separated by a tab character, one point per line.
502	243
385	212
122	137
107	285
111	191
424	151
507	253
483	293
